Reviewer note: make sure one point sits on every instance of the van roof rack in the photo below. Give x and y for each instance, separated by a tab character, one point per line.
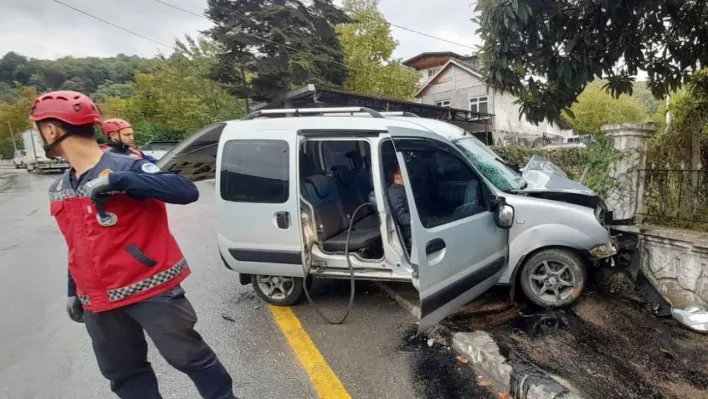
310	111
399	113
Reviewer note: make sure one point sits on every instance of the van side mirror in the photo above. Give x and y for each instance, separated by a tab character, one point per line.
503	214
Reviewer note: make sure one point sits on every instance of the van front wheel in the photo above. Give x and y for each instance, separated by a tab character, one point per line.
553	278
277	290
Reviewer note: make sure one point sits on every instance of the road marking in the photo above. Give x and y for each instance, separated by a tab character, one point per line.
326	382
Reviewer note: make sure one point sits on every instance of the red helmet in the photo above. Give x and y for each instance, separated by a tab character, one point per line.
67	106
114	125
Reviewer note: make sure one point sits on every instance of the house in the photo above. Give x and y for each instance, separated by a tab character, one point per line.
451	80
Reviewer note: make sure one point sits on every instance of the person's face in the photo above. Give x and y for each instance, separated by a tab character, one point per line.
397	176
126	136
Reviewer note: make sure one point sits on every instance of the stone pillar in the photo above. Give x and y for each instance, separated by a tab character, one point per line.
630	138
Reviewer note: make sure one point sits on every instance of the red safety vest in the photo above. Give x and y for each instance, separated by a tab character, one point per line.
131	151
120	260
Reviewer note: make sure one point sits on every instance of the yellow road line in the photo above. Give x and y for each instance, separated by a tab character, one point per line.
327	384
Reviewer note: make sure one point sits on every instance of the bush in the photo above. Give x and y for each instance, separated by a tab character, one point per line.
590	166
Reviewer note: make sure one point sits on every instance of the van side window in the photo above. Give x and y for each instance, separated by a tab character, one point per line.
255	171
445	188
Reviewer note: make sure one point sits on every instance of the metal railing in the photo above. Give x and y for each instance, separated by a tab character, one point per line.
675	197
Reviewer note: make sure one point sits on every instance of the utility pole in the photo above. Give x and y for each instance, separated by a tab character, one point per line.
12	135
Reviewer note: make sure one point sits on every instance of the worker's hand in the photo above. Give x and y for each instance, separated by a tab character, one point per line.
99	190
75	309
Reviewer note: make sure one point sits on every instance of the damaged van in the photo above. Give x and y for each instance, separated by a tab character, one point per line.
305	192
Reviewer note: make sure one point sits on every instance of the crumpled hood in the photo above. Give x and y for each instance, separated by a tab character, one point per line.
546	180
543	176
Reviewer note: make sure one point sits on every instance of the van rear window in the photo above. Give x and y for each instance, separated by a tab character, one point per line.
255	171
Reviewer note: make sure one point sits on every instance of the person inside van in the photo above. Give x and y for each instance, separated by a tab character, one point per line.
399	204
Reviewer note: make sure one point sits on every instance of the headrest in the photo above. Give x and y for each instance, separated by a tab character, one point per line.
344	175
321	184
355	158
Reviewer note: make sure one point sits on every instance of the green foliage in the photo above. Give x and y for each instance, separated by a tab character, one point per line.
86	75
570	44
686	139
7	150
301	45
591	165
368	47
17	113
118	90
596	108
178	97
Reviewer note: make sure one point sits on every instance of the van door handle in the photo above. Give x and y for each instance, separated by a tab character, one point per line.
282	219
434	246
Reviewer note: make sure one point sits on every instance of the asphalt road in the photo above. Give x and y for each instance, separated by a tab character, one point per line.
45	355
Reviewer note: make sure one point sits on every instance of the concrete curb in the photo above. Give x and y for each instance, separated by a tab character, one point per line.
511	373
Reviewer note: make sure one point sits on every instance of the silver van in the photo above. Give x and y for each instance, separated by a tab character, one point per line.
291	187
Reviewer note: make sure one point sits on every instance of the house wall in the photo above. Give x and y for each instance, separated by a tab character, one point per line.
426	74
459	86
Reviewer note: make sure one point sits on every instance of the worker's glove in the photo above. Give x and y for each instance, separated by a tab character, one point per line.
75	309
99	190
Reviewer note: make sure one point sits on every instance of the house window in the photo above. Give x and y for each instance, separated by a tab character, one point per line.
432	72
479	104
443	103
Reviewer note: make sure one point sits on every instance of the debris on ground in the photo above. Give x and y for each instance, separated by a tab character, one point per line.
608	345
437	374
462	359
227	317
692	317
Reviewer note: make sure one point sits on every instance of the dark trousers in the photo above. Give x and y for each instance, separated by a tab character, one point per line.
121	350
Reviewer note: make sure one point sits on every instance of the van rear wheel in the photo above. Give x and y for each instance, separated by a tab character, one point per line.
278	290
553	278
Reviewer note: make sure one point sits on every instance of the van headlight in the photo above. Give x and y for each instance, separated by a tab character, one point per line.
603	251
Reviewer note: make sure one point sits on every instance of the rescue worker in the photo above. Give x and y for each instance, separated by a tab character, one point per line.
121	139
125	267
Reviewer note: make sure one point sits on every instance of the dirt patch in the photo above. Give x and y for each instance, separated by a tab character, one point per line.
605	346
437	374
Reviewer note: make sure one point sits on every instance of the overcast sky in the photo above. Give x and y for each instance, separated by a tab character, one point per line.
45	29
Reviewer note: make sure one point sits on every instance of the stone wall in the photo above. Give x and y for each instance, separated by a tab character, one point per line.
675	262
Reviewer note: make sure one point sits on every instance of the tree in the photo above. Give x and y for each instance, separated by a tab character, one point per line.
596	108
368	47
687	134
283	44
179	94
17	113
569	44
119	90
83	74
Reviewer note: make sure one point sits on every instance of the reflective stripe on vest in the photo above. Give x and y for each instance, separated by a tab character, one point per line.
153	281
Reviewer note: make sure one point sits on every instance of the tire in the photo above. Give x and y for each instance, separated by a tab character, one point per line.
567	276
291	285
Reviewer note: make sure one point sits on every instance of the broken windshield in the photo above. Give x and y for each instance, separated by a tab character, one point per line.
490	165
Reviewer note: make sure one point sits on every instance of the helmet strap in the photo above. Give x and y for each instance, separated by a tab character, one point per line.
49	149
